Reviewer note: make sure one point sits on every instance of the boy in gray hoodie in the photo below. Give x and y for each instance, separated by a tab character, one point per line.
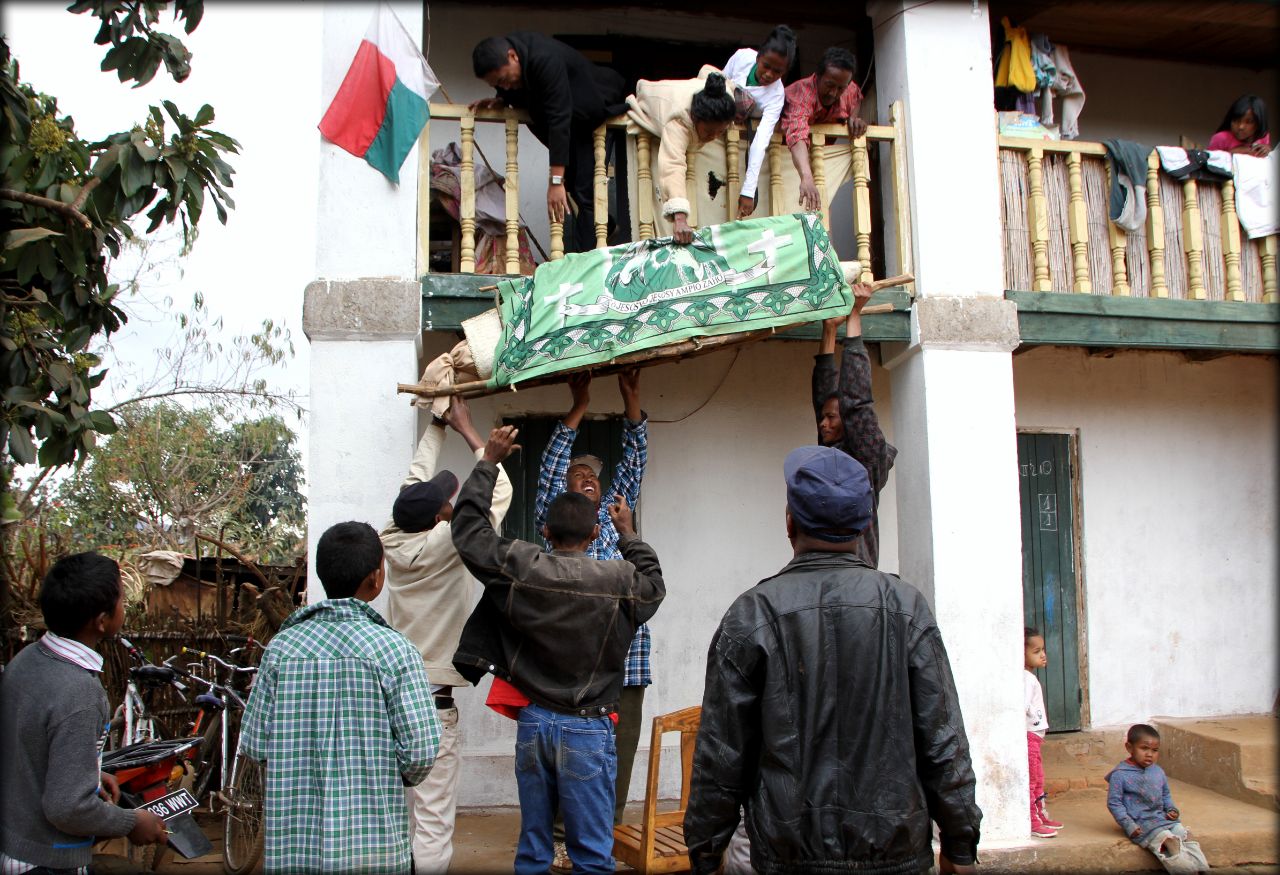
55	802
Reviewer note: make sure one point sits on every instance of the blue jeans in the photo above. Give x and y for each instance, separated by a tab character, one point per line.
568	763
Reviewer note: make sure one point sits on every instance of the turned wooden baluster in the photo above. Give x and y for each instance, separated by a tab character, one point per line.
1117	239
1268	247
644	185
690	181
1231	243
1155	227
901	195
733	179
424	199
601	191
467	207
1193	239
1038	220
1078	225
775	178
513	196
818	164
862	206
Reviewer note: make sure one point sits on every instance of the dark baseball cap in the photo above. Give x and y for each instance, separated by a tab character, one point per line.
828	493
418	503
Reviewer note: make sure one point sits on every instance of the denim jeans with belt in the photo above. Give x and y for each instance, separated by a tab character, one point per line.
565	762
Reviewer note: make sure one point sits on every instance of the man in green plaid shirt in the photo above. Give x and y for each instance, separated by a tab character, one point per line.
342	714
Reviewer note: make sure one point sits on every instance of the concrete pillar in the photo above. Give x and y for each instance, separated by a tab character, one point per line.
363	316
365	337
959	537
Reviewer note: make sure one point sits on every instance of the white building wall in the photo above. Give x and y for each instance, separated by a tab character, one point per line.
1178	467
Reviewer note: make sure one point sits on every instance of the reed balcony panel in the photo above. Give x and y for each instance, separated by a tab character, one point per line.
716	177
1058	238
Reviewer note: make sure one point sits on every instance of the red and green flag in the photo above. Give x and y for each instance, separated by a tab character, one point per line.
381	106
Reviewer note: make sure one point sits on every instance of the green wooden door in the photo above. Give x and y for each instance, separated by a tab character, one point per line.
1049	592
599	437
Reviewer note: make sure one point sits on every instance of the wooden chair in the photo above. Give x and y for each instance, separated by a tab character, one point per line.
656	843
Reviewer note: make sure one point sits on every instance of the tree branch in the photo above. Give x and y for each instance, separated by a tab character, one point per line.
200	390
69	210
244	560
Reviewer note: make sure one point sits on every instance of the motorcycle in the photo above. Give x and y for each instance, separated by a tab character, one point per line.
147	773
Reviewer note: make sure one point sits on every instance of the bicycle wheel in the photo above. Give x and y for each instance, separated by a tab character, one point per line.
245	818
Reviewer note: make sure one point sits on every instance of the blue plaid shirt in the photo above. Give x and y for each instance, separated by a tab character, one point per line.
626	481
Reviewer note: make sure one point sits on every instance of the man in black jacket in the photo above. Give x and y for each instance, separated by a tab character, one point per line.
829	712
557	627
568	97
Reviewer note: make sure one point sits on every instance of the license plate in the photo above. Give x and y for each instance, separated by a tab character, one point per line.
172	805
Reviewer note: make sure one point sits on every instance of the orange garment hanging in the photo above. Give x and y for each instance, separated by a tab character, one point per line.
1015	67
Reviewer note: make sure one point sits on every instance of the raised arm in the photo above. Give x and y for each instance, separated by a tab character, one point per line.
629	472
649	589
559	450
482	550
863	438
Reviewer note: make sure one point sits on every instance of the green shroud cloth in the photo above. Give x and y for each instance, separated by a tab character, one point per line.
589	308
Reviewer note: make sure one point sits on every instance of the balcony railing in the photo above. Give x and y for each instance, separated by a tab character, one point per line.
1057	237
779	162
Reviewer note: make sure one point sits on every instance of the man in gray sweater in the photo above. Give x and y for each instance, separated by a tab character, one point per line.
54	801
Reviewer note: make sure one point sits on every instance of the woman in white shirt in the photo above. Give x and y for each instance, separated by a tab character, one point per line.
759	72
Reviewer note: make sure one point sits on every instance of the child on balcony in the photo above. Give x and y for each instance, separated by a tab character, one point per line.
759	72
1139	799
1244	128
1034	656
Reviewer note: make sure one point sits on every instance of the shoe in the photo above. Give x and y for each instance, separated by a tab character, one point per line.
1049	821
561	863
1040	831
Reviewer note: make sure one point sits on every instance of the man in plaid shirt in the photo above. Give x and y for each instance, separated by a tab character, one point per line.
561	471
826	97
342	714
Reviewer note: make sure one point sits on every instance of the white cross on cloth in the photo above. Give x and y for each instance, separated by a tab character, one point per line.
769	245
567	290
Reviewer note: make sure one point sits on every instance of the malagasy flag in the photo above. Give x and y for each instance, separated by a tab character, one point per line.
381	106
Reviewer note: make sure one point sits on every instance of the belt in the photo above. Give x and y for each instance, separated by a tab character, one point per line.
444	703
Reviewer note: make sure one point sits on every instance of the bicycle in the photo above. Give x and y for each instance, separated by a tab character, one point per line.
245	825
133	721
221	705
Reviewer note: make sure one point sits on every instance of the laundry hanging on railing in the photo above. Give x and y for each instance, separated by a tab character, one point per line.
1128	163
1195	163
490	210
592	307
1029	86
1257	181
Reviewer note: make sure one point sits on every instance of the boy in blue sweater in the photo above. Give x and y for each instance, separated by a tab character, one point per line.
1139	799
54	802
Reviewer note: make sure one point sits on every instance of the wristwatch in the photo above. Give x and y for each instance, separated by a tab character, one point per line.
557	180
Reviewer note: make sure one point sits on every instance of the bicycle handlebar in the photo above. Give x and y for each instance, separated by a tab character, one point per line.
220	661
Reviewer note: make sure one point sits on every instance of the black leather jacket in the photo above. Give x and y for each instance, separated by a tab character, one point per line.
830	713
555	625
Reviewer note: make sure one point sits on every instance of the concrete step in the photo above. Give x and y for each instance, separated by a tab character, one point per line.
1234	756
1230	832
1076	760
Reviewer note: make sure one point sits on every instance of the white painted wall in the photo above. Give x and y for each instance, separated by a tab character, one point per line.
713	509
1178	466
1156	102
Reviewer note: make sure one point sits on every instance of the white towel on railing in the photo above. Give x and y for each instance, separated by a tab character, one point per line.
1257	180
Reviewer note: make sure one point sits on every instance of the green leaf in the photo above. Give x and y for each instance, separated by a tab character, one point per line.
147	151
177	167
107	162
60	374
23	236
21	446
204	116
101	422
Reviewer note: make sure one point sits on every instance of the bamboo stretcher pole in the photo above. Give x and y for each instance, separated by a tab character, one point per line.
655	355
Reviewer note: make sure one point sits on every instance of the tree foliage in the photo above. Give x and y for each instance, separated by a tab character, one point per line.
70	202
172	472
